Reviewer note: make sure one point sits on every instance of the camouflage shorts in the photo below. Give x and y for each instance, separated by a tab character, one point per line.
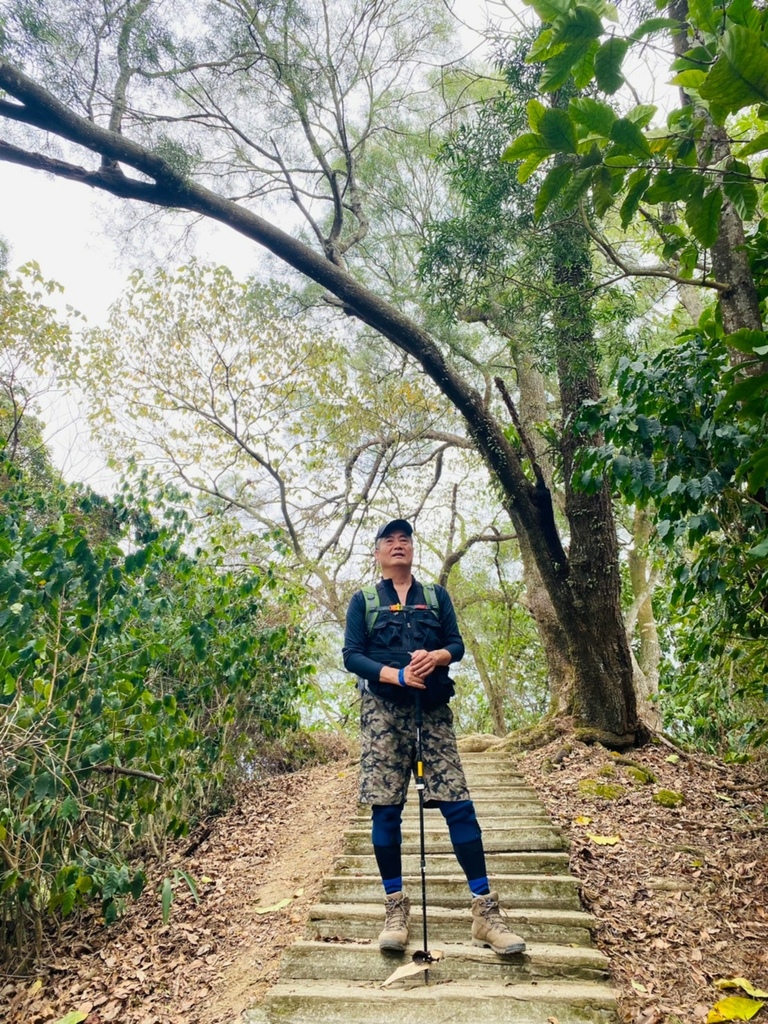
388	742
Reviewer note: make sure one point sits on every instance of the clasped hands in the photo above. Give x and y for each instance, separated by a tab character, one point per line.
422	664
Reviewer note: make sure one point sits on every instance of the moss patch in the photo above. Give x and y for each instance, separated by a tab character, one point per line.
602	790
607	771
668	798
640	775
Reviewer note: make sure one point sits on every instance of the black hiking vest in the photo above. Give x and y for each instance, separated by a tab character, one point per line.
394	631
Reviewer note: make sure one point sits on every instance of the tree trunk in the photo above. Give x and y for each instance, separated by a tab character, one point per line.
603	694
641	620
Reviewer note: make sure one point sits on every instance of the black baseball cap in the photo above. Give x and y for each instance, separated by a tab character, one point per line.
395	524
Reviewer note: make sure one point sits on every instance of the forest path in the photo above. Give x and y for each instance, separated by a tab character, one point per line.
335	974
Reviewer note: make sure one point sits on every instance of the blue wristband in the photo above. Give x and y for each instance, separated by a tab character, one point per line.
401	677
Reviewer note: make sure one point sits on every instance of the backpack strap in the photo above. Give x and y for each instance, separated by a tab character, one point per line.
372	606
430	593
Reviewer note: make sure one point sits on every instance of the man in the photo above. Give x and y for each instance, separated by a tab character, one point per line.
399	641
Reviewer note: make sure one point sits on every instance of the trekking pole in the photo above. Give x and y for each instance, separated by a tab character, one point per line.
419	720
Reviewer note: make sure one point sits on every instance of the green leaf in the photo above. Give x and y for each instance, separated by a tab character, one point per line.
740	189
746	340
558	131
608	61
642	114
549	10
560	67
167	899
744	391
740	75
702	215
554	183
73	1017
758	145
734	1008
630	137
759	550
528	166
702	15
535	111
690	79
678	184
597	117
636	186
603	189
524	146
653	25
579	25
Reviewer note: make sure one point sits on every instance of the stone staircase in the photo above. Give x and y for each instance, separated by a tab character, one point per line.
334	975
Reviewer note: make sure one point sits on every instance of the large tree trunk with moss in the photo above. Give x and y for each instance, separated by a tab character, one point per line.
603	690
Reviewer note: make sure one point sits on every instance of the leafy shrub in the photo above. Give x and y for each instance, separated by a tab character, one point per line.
132	672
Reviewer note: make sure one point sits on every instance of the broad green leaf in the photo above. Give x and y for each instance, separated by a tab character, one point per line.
676	185
746	340
653	25
603	189
554	183
702	215
702	15
73	1017
583	70
608	61
637	184
733	1008
630	137
743	392
549	10
543	48
560	68
529	166
535	110
740	189
579	25
758	145
698	58
597	117
758	551
524	146
642	114
577	187
691	78
740	75
558	131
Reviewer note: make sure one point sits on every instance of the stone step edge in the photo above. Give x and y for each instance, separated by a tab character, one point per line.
538	952
375	913
499	880
565	993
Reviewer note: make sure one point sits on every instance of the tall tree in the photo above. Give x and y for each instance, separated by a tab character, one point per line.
365	65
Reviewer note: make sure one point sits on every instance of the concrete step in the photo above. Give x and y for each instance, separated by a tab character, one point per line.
524	863
336	1002
559	892
522	835
355	921
364	961
501	806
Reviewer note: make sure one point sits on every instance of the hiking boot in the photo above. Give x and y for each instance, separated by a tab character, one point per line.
394	936
489	927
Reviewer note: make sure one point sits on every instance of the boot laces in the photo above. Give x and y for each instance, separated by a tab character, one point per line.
396	913
493	914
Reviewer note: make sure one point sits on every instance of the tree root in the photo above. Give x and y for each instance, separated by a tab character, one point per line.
551	728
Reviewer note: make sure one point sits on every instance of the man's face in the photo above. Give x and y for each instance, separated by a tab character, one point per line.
395	548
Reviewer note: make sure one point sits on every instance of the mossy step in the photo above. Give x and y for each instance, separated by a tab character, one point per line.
524	862
467	1003
522	835
364	961
355	921
555	891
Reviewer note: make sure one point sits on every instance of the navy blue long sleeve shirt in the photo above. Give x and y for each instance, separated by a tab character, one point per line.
357	638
